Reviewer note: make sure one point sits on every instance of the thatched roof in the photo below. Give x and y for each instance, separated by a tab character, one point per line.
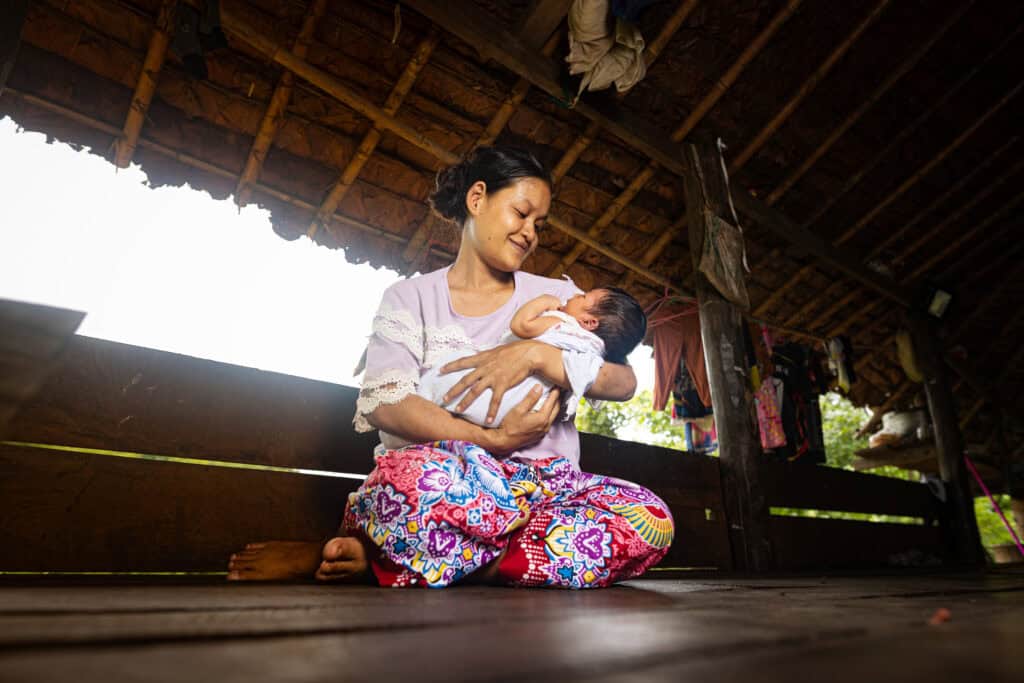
874	146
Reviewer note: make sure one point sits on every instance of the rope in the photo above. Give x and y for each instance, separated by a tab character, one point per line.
1009	527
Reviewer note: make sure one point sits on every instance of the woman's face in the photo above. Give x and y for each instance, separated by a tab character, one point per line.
503	226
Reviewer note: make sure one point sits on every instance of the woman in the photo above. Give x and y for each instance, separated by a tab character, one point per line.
506	505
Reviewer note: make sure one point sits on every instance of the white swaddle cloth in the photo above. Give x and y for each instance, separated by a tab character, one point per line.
582	357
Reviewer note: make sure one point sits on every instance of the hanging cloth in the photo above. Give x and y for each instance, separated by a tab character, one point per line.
675	332
604	56
768	400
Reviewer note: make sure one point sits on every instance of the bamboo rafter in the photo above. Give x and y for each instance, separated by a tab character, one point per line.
895	235
911	181
868	102
964	237
273	118
394	100
494	127
718	90
776	122
124	146
928	166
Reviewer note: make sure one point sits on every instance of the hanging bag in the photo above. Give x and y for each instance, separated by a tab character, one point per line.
723	258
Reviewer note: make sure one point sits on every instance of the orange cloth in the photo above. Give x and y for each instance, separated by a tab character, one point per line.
676	334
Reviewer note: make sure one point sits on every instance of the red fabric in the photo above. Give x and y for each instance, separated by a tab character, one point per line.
673	335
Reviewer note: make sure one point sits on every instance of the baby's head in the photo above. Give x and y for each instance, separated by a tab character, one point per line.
614	316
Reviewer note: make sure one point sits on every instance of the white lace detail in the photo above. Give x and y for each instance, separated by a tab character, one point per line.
387	388
439	342
399	326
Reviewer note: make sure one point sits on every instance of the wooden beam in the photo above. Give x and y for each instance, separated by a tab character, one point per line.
718	90
850	232
785	228
654	48
722	331
124	147
981	306
273	118
348	176
493	41
12	18
904	67
949	445
540	21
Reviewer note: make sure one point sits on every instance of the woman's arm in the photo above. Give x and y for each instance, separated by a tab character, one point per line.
503	367
416	419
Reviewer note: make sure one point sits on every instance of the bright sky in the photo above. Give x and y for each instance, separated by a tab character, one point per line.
176	270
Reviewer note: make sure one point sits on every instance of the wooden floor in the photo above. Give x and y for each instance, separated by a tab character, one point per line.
678	629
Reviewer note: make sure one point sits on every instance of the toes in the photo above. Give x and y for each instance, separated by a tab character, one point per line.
255	546
336	549
331	568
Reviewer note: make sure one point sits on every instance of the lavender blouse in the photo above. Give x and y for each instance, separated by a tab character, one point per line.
416	326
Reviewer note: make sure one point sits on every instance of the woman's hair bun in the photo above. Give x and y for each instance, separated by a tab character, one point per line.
448	200
497	167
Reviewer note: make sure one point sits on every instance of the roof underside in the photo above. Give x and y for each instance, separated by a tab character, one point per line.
905	154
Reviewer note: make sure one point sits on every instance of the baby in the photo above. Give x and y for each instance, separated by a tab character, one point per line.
602	324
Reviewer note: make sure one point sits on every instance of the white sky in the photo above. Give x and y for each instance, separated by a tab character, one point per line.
176	270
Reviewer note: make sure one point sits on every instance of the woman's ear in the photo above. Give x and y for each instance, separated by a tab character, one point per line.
475	197
588	322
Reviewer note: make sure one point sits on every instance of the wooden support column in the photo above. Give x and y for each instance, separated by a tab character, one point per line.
964	542
12	18
721	326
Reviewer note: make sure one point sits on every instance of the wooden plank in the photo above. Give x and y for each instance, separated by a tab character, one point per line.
12	17
541	20
127	398
76	512
32	342
827	488
773	220
814	543
722	329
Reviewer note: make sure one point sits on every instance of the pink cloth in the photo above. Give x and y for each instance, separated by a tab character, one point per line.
416	326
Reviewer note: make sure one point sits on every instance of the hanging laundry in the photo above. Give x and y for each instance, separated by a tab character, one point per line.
701	436
840	362
675	331
604	56
801	415
768	400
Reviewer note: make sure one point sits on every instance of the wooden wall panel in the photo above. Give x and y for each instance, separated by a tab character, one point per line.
810	543
827	488
127	398
72	512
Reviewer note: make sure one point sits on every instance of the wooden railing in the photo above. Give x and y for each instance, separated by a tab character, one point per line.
78	491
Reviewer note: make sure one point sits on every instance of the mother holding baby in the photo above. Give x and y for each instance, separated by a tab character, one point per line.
450	500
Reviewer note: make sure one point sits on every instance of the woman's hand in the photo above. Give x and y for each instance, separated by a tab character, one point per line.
523	425
497	369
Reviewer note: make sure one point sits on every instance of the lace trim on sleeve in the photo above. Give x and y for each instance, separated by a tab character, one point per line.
387	388
399	326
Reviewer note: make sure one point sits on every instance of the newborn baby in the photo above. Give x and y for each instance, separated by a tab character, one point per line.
602	324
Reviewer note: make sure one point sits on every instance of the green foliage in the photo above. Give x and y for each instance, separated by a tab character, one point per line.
633	420
990	526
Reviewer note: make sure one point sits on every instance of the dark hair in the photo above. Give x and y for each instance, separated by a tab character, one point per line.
621	324
497	167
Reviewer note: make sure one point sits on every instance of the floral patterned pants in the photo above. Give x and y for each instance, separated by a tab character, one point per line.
440	511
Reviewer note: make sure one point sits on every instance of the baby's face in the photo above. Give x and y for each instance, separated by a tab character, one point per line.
580	305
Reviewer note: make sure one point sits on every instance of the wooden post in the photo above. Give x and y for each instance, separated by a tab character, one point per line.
965	543
721	326
12	17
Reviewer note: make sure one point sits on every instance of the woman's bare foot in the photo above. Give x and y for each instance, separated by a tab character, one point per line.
345	559
274	561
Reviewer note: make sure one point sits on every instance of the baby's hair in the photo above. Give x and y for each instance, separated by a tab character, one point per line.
497	167
621	324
